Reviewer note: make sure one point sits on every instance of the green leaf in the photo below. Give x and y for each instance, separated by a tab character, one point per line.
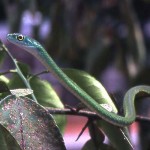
117	136
45	94
43	91
4	79
2	56
3	86
90	85
7	141
24	68
30	124
47	97
16	82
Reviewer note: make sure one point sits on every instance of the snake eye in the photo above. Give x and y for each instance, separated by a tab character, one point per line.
20	37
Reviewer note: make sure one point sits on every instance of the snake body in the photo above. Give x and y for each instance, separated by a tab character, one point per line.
36	49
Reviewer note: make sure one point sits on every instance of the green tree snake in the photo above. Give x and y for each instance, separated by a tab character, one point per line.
36	49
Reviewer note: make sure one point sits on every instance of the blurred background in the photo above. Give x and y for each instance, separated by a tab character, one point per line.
110	39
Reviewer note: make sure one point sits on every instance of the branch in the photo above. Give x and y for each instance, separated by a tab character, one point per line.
85	113
142	118
67	111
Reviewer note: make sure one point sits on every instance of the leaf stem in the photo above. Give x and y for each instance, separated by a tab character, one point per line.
18	70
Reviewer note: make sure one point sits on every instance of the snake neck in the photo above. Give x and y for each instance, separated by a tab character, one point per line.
48	62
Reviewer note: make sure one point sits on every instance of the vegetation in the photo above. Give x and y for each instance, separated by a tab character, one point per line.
88	35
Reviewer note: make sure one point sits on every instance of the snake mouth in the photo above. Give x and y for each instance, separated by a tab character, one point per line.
9	37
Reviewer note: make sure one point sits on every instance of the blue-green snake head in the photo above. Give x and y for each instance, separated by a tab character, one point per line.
24	42
20	40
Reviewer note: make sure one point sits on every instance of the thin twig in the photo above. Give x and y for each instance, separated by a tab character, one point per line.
142	118
18	70
40	73
7	72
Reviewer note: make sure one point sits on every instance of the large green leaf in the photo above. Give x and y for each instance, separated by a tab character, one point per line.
89	84
7	141
47	97
30	124
117	136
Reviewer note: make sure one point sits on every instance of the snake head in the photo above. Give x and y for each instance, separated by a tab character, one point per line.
20	40
24	42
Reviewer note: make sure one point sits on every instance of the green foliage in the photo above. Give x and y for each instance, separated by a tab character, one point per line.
43	91
47	97
92	86
7	141
3	80
45	94
89	33
98	92
30	124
